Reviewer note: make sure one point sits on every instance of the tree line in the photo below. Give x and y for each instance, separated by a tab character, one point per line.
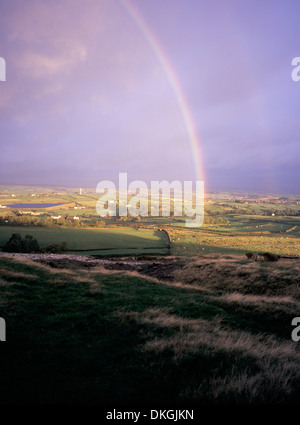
25	220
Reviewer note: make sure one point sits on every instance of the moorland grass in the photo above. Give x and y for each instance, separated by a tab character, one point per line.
93	336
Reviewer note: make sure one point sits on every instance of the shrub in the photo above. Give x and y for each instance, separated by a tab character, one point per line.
30	244
100	223
269	256
18	244
56	248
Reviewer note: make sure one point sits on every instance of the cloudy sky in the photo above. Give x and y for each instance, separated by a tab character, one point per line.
160	89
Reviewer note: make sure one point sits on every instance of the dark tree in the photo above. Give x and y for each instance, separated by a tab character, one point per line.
18	244
56	248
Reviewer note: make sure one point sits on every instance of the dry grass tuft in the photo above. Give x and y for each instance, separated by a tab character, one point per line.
229	275
261	303
198	334
4	272
276	361
272	384
27	262
95	288
5	284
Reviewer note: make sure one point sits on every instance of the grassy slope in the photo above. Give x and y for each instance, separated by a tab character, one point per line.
93	336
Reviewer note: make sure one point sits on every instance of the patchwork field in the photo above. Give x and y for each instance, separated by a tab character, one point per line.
234	224
279	235
236	240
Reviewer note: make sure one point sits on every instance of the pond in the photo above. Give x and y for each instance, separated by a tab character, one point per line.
32	206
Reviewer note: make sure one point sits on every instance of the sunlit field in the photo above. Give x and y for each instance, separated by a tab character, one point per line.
94	241
282	239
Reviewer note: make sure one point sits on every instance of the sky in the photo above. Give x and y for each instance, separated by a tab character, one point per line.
160	89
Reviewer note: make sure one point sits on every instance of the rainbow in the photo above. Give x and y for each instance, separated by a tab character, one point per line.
174	82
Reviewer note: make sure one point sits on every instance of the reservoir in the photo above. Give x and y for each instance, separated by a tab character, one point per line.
32	206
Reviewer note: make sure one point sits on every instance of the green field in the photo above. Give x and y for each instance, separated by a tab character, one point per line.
279	235
207	241
94	241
